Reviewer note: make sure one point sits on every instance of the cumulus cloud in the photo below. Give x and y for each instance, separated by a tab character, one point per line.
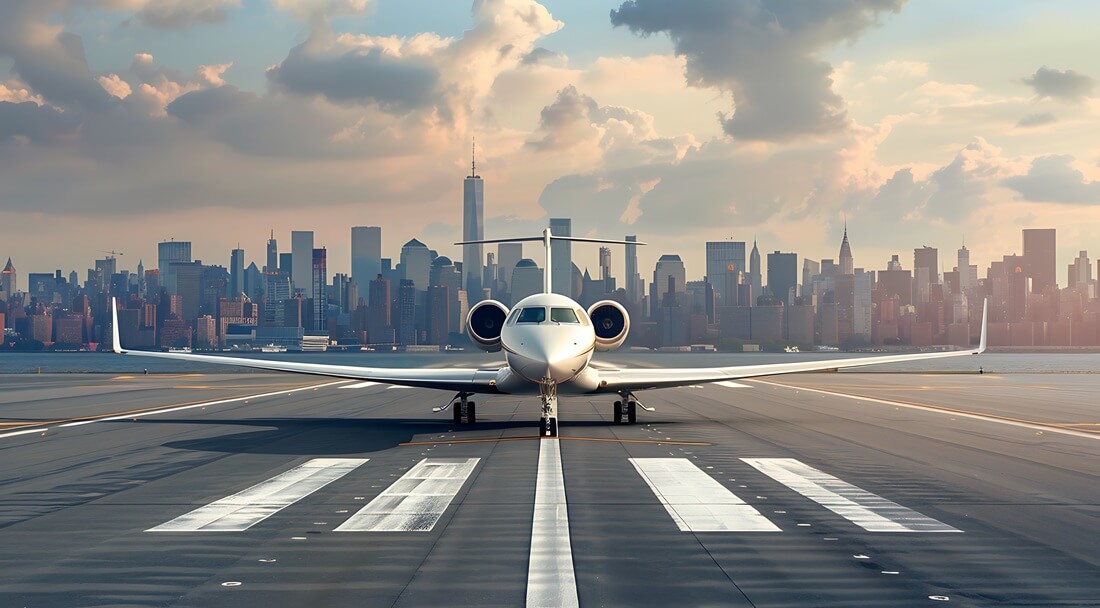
1065	85
1038	119
177	14
764	52
314	10
1054	179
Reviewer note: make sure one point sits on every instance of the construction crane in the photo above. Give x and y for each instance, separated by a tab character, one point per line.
112	253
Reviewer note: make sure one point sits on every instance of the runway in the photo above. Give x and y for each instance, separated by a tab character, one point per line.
853	489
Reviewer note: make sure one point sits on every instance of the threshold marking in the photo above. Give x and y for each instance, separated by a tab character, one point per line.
696	501
551	580
864	509
249	507
1053	427
416	501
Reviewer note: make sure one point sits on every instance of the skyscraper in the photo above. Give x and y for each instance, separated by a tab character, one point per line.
963	268
847	264
526	280
632	278
508	255
168	253
605	263
783	275
669	272
561	255
416	264
366	258
925	271
724	260
236	273
406	313
378	312
473	229
272	264
756	281
301	260
319	273
1040	252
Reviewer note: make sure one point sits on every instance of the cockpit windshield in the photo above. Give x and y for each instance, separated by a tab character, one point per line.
532	314
563	315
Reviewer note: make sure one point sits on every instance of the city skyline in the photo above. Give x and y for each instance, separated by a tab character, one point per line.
947	122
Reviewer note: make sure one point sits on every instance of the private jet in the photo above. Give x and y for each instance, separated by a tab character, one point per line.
548	342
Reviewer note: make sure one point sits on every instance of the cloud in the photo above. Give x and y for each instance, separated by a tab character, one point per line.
764	53
31	122
1053	179
179	14
1036	120
1066	85
319	10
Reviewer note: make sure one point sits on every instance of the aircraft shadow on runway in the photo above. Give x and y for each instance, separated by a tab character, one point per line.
337	436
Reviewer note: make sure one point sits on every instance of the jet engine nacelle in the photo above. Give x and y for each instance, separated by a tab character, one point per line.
484	323
611	323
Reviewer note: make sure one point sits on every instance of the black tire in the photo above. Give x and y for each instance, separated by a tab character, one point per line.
456	410
618	412
632	412
471	415
548	427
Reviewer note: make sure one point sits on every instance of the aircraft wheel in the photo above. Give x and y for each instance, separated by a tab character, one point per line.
548	427
618	412
471	416
456	410
632	412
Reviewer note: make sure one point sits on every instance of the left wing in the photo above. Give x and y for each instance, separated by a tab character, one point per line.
468	380
612	381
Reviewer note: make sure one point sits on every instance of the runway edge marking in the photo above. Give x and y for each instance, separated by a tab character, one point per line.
250	506
864	509
416	501
551	580
696	501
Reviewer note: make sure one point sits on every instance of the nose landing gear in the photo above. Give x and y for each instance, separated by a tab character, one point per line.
548	393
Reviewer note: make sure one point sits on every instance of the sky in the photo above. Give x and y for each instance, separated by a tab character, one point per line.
128	122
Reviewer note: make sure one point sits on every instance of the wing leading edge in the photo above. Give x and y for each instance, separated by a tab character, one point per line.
469	380
640	379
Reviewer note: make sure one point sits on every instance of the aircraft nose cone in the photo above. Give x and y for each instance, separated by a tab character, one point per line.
558	362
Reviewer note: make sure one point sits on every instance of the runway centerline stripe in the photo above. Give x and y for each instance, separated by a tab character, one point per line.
866	510
551	580
416	501
249	507
696	501
728	384
360	385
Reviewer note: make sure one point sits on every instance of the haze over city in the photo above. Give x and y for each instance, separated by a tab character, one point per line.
126	123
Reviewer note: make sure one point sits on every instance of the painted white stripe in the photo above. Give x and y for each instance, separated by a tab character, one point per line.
27	432
728	384
203	404
249	507
551	580
393	386
1037	426
415	502
361	385
696	502
866	510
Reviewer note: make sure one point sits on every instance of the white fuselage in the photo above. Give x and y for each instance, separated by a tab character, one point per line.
547	339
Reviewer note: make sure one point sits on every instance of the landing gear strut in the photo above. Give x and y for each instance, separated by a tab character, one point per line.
548	425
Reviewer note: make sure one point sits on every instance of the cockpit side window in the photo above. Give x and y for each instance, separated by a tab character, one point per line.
584	318
532	314
512	317
563	315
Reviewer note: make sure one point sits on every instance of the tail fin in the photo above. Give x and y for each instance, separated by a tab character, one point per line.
116	345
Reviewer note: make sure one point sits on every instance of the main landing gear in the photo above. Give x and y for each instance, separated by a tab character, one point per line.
462	409
628	408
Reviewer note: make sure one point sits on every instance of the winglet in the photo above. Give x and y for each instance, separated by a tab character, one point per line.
116	345
985	327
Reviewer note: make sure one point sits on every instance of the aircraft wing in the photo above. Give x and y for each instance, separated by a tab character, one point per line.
639	379
469	380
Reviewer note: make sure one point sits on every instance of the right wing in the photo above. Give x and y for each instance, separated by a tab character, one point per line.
468	380
613	381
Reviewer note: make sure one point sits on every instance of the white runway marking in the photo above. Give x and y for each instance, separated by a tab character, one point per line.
361	385
696	502
415	502
551	580
728	384
249	507
393	386
868	511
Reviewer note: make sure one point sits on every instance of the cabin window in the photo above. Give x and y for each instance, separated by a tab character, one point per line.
532	314
563	315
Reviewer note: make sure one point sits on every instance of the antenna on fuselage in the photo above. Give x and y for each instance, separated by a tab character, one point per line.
547	238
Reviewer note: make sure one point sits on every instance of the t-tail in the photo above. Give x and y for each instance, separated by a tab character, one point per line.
546	239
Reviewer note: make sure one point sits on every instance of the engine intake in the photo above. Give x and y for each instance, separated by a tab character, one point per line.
611	323
484	323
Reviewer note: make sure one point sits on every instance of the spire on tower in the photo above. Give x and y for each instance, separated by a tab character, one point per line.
473	157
